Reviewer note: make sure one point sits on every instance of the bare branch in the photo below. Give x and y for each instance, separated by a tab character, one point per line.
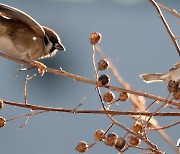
174	12
111	112
173	38
165	127
82	79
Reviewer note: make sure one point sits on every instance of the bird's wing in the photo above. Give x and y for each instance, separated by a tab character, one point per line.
13	13
175	66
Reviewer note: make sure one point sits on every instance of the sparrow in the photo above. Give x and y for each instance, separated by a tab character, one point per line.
23	38
173	74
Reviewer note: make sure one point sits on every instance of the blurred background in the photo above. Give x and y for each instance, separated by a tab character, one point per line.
133	37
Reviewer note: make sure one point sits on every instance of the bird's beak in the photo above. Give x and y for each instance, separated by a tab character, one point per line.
60	47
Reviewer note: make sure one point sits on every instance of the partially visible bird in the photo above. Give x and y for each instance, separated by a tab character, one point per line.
22	37
173	74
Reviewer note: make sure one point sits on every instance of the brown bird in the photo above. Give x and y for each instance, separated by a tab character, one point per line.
22	37
173	74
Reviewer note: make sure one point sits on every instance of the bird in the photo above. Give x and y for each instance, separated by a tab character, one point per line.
172	75
22	37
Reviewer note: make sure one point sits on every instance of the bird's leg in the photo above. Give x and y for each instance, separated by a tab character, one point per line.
40	67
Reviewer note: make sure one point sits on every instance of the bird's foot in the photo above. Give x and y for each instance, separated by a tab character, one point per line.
40	67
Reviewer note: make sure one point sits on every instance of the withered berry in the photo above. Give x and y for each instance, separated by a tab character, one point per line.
95	38
123	96
108	96
98	134
103	64
2	122
137	127
134	140
105	79
82	146
120	143
110	140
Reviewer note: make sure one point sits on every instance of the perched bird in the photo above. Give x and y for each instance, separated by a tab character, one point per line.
173	74
22	37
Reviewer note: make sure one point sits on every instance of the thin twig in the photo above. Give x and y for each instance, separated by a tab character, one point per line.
173	38
150	105
147	122
165	127
163	105
138	147
96	76
174	12
19	70
108	129
25	115
25	86
24	124
74	110
93	62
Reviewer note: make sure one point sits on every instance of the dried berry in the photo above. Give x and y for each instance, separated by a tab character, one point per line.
105	79
137	127
95	38
134	140
2	122
110	140
82	146
176	94
98	135
120	143
123	96
1	103
108	96
103	64
172	86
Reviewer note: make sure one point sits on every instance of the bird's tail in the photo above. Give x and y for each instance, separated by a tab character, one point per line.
152	77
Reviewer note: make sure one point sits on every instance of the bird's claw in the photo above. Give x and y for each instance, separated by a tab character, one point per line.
40	67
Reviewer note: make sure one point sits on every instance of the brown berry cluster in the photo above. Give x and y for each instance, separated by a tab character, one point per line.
104	79
174	87
103	64
111	139
109	96
138	128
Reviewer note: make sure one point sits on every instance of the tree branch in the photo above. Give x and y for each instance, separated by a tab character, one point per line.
111	112
173	38
61	72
